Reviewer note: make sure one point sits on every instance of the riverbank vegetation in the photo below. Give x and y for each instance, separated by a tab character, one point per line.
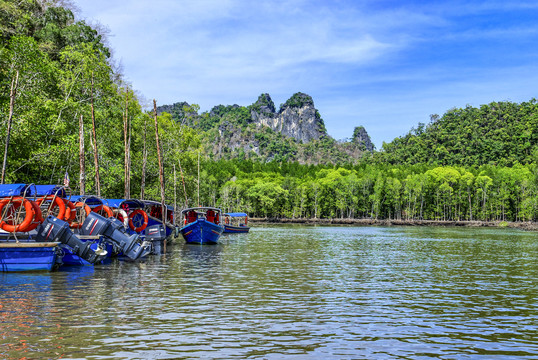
376	191
65	106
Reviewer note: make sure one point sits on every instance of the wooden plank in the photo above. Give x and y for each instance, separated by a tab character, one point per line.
28	244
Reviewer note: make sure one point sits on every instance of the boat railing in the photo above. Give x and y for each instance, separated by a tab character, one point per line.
17	216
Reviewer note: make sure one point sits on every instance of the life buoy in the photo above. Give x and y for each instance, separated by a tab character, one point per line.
102	210
122	216
80	205
28	217
55	201
38	218
70	212
144	217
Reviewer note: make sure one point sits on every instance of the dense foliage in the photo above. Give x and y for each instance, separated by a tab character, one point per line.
501	133
53	71
417	192
469	164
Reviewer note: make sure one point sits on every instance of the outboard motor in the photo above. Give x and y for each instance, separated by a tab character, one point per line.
113	229
54	229
156	234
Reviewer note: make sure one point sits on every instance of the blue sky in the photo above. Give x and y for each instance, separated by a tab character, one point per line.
385	65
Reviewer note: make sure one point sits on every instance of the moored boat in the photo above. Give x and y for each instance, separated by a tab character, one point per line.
235	223
155	215
201	225
28	256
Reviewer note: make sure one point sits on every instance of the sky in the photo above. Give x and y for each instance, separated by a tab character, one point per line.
386	65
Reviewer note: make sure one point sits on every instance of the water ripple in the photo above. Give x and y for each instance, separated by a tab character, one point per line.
289	292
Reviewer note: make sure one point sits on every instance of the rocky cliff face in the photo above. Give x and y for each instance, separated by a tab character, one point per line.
233	139
362	139
295	132
297	118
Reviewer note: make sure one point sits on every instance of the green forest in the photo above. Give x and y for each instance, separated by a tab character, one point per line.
65	107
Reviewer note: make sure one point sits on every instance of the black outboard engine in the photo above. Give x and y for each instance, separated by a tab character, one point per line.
156	234
54	229
113	229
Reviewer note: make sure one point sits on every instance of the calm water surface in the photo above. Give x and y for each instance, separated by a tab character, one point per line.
289	292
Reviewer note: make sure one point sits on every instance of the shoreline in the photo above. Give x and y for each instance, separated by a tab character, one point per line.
530	226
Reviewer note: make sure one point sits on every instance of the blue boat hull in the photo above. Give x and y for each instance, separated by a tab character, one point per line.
230	229
28	256
201	232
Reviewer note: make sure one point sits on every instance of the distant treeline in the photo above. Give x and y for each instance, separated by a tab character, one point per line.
378	191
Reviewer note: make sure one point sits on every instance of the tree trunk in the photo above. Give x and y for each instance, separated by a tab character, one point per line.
175	193
183	181
12	94
95	153
126	142
198	185
161	173
144	162
82	178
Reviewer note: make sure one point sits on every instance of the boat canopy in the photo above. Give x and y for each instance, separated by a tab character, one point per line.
201	208
44	190
90	200
153	203
114	203
15	190
236	214
128	204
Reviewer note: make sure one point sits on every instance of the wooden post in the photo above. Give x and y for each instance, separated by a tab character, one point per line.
95	152
183	180
144	161
175	194
199	178
126	142
82	160
161	173
12	94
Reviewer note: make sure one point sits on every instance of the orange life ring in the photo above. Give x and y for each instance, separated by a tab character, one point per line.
143	225
38	218
58	201
72	213
103	209
28	218
80	205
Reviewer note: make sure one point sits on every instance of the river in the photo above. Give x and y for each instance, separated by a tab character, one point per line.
289	292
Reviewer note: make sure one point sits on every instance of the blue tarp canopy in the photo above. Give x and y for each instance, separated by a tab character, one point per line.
151	202
236	214
14	190
115	203
43	190
129	204
89	200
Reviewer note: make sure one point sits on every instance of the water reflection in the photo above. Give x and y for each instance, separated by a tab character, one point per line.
291	292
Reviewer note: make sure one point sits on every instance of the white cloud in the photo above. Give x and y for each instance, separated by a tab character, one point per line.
384	68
